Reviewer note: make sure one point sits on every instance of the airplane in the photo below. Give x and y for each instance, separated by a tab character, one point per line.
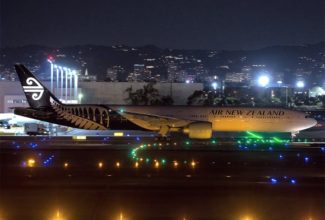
198	122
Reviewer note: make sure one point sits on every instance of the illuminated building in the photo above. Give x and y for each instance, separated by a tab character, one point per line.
87	77
115	73
236	77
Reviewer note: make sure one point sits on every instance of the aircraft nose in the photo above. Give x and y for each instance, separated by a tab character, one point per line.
312	122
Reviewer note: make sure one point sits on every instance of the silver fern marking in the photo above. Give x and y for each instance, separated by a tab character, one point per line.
34	87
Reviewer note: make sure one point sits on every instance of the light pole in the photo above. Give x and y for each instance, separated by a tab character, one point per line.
57	79
61	70
71	80
66	83
80	96
286	96
51	63
75	93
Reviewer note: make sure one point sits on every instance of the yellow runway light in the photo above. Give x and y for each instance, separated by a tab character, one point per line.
118	134
175	163
100	165
157	164
57	216
31	162
80	137
247	217
193	164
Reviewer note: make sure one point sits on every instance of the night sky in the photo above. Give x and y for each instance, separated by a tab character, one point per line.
214	24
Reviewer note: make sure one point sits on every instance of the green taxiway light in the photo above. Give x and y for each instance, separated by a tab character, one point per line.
305	141
277	140
254	135
133	153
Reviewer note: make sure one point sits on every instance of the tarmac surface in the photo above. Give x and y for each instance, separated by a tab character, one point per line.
144	178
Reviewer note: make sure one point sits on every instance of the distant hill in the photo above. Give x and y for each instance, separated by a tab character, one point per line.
98	58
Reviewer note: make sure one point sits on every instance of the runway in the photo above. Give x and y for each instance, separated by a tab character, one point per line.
144	178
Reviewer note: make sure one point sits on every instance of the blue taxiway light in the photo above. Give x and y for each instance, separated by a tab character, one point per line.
306	159
293	181
274	181
280	156
322	149
33	145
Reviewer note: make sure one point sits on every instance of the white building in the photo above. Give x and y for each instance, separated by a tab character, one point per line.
11	101
12	95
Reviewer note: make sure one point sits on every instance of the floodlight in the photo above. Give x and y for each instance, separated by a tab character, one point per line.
300	84
214	85
263	80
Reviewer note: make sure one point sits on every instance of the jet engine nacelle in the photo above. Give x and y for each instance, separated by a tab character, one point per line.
199	130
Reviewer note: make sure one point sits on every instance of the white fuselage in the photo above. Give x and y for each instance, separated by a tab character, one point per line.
221	118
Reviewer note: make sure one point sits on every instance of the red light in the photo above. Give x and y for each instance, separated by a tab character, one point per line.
50	58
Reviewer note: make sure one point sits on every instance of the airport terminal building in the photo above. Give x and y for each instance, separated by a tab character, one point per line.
12	95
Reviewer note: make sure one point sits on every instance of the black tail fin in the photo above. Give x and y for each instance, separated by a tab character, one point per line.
38	96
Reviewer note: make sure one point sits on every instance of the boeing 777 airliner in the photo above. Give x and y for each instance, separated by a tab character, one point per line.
197	121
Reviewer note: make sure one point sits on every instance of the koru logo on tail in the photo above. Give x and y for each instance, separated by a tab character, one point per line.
34	87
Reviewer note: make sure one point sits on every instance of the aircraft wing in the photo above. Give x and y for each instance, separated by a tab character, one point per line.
158	121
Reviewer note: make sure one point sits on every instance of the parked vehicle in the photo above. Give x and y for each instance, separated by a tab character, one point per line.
4	124
35	129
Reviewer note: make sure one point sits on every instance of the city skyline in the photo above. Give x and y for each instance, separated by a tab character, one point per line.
229	25
122	63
